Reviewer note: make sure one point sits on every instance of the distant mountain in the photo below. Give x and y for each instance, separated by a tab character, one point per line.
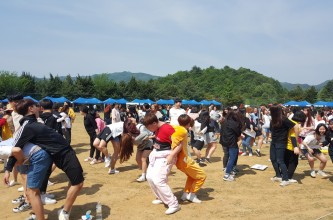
291	86
122	76
126	76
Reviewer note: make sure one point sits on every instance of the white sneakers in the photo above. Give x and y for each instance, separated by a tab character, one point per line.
21	189
190	197
114	171
62	215
157	202
13	183
322	173
284	183
276	179
46	200
88	159
141	179
313	174
107	161
172	210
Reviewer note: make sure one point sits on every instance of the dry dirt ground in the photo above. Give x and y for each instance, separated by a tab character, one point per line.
252	196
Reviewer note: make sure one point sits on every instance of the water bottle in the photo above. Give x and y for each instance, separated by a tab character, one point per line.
99	211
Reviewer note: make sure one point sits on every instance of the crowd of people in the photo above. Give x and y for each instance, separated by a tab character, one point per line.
36	138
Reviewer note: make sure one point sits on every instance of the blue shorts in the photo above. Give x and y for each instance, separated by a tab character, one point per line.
40	162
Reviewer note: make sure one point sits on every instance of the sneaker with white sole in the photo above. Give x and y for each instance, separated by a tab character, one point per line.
313	174
193	198
293	181
49	195
62	215
94	161
21	189
24	206
31	217
107	161
284	183
114	171
250	154
276	179
258	152
157	202
47	200
141	179
185	196
18	200
228	177
13	183
172	210
88	159
322	173
244	154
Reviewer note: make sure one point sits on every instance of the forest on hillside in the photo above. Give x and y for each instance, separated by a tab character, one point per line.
226	85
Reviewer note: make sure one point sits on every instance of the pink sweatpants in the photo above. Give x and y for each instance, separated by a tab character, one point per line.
157	177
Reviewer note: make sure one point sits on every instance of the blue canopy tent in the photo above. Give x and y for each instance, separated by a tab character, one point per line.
57	100
186	102
291	103
138	101
298	103
148	101
205	102
25	97
87	101
109	101
216	102
165	102
193	102
329	104
320	104
121	101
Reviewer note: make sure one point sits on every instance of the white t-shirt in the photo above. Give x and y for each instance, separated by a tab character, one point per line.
267	121
174	113
116	128
312	141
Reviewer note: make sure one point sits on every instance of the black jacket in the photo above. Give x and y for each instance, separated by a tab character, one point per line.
230	132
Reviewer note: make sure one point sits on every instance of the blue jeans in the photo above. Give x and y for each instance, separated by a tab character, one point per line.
40	161
277	151
233	156
246	144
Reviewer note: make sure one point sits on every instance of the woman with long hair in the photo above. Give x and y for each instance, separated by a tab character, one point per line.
120	134
280	126
313	142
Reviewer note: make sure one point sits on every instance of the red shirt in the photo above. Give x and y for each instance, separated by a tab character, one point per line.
163	134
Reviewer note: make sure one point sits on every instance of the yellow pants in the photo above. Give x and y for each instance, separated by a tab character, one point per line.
195	175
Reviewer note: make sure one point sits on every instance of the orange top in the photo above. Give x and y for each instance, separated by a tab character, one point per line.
180	137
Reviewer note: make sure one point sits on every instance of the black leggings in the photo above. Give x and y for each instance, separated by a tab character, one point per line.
291	161
92	148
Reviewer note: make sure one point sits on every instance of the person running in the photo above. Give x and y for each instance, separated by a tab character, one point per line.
175	111
195	174
160	164
57	148
313	142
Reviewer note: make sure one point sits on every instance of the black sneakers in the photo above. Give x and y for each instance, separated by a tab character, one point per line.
258	153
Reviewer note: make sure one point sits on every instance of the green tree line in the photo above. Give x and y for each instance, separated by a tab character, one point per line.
227	85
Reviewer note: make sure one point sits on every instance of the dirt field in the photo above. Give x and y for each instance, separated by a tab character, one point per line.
252	196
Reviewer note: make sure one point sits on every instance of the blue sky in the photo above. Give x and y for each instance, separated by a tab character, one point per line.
290	41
